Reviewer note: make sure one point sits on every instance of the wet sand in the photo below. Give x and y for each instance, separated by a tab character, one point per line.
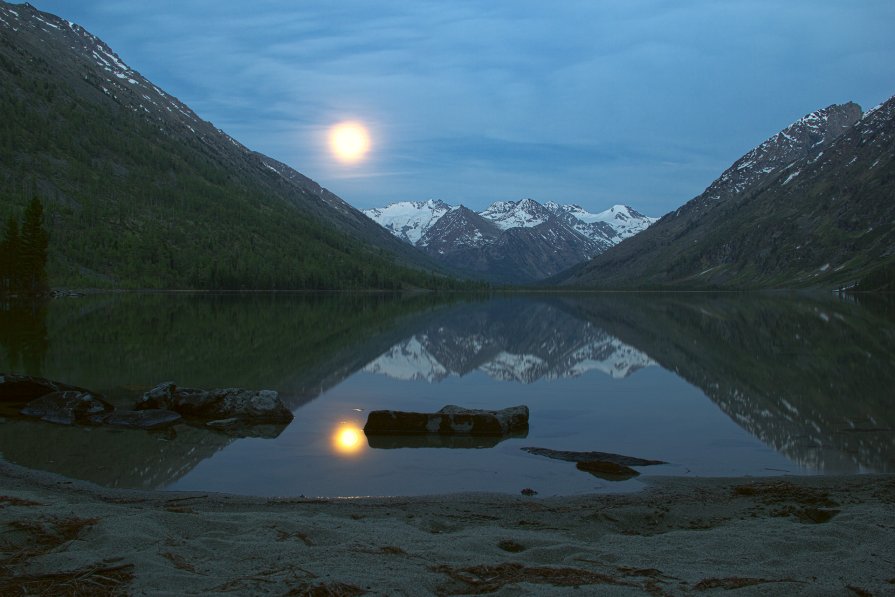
780	535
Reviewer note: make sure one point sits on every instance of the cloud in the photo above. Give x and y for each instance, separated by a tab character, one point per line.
638	101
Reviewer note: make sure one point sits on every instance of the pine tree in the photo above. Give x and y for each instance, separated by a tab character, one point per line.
9	257
33	249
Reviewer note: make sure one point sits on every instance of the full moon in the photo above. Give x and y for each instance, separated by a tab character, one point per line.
349	141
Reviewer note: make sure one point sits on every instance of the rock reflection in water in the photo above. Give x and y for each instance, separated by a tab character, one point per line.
434	440
134	459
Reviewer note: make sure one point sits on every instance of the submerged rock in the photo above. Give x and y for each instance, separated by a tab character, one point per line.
609	471
257	406
67	408
149	418
450	420
606	457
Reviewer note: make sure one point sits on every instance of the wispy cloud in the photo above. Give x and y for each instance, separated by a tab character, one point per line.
638	101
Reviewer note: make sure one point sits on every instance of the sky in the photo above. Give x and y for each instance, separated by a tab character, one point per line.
594	102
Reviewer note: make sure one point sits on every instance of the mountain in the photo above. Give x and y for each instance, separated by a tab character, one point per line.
510	241
811	206
139	191
458	229
468	242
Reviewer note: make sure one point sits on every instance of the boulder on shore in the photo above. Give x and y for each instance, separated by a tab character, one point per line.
22	389
68	407
450	420
254	406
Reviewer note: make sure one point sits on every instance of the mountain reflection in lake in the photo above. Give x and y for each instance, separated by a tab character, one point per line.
713	384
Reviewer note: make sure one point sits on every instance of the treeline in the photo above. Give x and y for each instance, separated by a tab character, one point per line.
23	253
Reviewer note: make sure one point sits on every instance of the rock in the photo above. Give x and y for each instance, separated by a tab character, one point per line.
592	456
22	389
255	406
150	418
450	420
431	440
186	401
67	407
606	470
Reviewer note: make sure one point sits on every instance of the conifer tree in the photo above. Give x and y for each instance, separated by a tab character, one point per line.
33	248
9	257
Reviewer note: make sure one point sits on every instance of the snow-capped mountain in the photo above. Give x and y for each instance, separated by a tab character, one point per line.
618	221
510	241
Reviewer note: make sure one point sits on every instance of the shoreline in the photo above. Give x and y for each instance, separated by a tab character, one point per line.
792	535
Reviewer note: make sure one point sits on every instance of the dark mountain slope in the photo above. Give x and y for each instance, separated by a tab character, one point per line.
139	191
513	256
458	229
812	206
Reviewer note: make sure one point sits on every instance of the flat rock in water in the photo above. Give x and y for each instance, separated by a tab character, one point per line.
592	456
606	470
67	407
150	418
450	420
25	388
256	406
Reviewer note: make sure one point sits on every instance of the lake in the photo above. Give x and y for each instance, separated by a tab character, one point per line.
713	384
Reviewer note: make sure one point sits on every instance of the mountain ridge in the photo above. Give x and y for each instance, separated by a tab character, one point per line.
808	207
509	241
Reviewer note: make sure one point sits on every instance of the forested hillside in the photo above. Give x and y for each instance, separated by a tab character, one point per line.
140	192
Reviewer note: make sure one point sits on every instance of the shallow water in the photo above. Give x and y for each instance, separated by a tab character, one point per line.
716	385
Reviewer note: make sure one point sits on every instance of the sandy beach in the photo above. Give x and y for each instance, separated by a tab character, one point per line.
791	535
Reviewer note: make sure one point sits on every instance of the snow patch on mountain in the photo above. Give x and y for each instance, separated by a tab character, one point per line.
805	137
409	220
526	213
624	220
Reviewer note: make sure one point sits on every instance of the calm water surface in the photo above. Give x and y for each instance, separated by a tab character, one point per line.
716	385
